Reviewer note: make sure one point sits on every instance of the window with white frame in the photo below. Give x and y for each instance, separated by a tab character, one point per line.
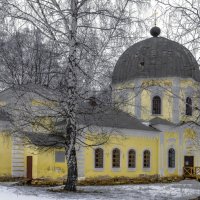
131	158
146	159
156	105
98	158
171	158
116	158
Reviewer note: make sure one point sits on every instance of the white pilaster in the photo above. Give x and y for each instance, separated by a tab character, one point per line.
161	155
17	157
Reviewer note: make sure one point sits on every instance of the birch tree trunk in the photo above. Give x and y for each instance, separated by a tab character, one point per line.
72	172
70	86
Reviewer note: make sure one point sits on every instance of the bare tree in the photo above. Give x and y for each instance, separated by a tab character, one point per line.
26	59
181	22
87	32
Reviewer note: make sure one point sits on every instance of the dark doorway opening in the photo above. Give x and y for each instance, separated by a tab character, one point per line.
29	168
189	161
188	166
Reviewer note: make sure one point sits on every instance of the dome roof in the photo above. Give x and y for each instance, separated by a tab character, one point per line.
156	57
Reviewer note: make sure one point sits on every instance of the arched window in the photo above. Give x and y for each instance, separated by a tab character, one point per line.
99	158
131	159
146	159
116	158
188	110
156	105
171	158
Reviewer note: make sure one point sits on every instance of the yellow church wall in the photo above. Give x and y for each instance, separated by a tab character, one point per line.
43	124
129	104
184	84
146	105
167	98
125	104
43	103
124	143
190	145
5	154
31	151
146	97
44	164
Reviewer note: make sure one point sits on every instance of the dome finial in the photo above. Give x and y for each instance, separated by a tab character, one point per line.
155	18
155	31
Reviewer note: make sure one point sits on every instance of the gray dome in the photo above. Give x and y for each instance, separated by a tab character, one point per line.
155	57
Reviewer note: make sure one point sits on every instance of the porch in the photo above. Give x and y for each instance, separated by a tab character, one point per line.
191	172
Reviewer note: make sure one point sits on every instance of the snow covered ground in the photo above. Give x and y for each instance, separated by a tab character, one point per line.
186	189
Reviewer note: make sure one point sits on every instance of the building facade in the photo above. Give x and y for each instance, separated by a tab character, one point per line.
153	132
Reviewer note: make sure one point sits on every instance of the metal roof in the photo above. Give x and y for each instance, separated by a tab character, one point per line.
155	57
108	116
158	120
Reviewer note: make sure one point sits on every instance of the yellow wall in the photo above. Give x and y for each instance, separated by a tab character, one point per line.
43	124
44	165
146	99
184	84
167	98
124	143
5	154
190	137
127	104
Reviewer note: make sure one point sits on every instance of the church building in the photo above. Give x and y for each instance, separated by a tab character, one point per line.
153	125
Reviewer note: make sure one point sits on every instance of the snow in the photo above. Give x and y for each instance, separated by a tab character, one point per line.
184	190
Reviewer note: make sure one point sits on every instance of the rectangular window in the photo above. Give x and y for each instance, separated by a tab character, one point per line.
99	158
116	158
146	159
60	156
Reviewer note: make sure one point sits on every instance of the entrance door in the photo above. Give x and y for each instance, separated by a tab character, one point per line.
29	167
189	166
189	161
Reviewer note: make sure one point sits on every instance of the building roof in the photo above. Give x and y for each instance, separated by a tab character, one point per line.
109	117
158	120
156	57
44	139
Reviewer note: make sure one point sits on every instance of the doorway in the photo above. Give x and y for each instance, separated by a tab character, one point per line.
29	168
188	166
189	161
